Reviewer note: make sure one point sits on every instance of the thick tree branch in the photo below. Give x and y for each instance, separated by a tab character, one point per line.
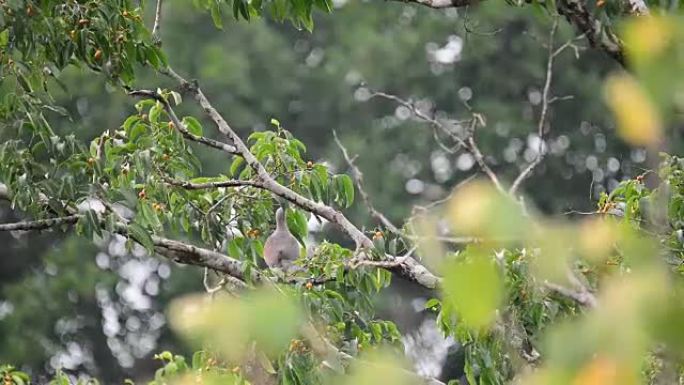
410	269
40	224
178	251
192	255
575	11
599	36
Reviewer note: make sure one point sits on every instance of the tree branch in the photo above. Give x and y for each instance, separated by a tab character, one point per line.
581	294
599	36
177	251
410	269
638	7
192	255
211	185
542	116
577	14
441	4
468	143
225	147
358	180
584	298
39	224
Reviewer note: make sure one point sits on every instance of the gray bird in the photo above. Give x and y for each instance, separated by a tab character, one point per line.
281	248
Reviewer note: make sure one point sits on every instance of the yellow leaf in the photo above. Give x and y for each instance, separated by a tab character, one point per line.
646	37
229	325
597	238
378	367
637	118
604	371
478	209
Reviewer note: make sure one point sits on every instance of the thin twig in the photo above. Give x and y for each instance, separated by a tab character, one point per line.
542	116
584	298
358	180
445	199
225	147
211	185
468	144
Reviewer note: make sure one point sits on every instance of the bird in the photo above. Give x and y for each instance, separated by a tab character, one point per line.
281	248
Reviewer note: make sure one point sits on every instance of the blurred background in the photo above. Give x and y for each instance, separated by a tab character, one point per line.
66	303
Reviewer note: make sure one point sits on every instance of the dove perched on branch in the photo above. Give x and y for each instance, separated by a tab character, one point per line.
281	248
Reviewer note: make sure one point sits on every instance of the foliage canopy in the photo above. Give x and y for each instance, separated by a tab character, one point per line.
516	297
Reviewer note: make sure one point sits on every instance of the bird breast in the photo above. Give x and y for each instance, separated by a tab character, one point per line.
280	246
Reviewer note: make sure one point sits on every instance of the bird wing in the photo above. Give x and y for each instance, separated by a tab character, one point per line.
290	249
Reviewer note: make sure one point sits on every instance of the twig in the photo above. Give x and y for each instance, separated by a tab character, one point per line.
479	158
156	28
581	295
468	144
358	180
584	298
211	185
445	199
180	126
452	240
542	116
395	262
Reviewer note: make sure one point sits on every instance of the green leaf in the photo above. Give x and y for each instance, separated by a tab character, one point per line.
346	185
94	222
431	303
325	5
215	10
315	187
235	165
198	359
137	131
155	111
298	224
473	286
141	236
128	123
4	38
150	216
193	125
